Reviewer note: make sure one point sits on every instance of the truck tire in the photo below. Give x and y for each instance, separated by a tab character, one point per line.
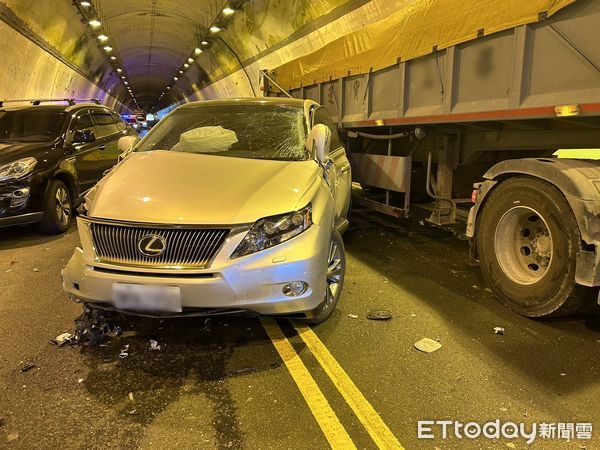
527	240
336	269
58	208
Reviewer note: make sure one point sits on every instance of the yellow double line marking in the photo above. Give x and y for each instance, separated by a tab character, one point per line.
318	404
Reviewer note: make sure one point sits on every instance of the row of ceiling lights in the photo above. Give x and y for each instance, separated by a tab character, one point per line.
89	14
214	28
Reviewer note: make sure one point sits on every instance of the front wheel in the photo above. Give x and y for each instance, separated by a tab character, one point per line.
58	212
336	270
528	239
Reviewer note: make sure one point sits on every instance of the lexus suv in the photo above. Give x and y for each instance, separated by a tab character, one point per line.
50	154
226	206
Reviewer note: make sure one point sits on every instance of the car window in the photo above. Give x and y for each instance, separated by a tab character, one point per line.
31	125
105	124
257	131
321	116
118	120
83	122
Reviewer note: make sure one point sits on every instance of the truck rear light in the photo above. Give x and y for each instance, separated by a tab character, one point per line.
474	195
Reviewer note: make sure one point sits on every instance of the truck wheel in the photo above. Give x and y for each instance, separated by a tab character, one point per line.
58	212
527	241
336	269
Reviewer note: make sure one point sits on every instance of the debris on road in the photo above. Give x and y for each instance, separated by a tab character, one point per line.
245	370
130	396
353	316
154	345
12	437
35	269
124	352
28	365
379	314
498	330
207	324
132	412
413	315
427	345
80	380
91	327
62	339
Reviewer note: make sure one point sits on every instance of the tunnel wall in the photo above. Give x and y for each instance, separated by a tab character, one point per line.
32	68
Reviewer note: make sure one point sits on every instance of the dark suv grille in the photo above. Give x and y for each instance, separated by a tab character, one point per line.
183	247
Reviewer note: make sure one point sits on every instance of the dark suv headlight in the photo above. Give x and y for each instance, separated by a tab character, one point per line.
17	169
274	230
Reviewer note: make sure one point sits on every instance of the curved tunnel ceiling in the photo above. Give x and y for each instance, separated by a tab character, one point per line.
154	38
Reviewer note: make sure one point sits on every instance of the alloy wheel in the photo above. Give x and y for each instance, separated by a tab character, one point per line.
63	206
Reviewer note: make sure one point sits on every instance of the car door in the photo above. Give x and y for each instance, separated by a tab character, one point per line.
85	154
339	173
108	138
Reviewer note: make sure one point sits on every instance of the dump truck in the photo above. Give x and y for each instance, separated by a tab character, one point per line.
469	121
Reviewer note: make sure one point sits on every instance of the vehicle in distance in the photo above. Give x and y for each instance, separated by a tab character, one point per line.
238	206
50	154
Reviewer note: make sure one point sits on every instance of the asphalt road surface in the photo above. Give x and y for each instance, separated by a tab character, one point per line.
247	383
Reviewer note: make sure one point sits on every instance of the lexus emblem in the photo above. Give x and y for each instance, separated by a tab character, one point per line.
152	245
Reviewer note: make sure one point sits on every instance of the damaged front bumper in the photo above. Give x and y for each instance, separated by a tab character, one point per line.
253	283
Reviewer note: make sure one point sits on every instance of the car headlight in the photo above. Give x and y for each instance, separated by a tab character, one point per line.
274	230
17	169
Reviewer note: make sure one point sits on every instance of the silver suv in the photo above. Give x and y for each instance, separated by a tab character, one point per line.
225	206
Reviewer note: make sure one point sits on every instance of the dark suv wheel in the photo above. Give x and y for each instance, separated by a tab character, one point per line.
58	210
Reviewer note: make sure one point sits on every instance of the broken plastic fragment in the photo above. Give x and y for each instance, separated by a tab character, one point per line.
379	314
498	330
427	345
124	352
130	396
28	365
154	345
62	339
353	316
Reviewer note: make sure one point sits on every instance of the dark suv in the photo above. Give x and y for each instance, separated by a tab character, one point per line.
50	154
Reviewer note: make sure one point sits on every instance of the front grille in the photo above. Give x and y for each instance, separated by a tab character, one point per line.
184	247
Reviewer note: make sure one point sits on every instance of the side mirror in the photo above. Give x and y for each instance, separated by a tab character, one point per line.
82	136
318	142
126	143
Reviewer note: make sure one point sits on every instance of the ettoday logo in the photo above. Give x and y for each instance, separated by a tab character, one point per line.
444	429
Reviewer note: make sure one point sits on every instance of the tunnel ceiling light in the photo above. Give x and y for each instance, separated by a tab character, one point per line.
102	38
175	78
94	23
119	70
186	65
190	60
214	29
197	51
181	71
113	58
125	83
228	11
168	87
107	48
204	42
85	4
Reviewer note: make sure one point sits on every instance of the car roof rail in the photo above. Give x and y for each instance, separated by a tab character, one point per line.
38	101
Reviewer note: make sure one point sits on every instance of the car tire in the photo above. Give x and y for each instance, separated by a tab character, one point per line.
58	208
336	270
527	240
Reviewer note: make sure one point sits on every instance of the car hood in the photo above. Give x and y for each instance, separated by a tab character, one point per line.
13	151
182	188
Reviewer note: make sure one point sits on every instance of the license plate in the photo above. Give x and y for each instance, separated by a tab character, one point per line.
141	297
